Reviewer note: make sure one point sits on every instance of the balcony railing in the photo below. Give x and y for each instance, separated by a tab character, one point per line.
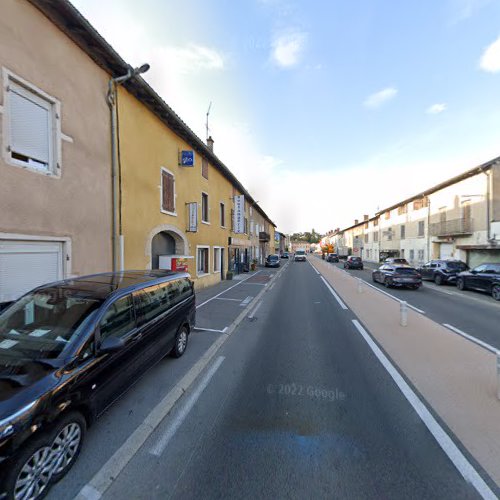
451	227
263	236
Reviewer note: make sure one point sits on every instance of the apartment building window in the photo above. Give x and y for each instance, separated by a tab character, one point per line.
167	192
421	203
388	215
421	228
31	127
222	215
202	256
366	225
403	253
375	223
204	208
204	168
412	254
403	232
366	238
246	226
232	219
217	261
402	209
420	255
466	210
375	237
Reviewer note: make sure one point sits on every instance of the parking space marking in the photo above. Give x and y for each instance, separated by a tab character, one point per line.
246	301
224	298
199	328
162	443
471	338
457	458
256	308
227	290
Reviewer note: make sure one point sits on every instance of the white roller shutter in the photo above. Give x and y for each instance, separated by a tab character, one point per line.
25	265
446	251
30	125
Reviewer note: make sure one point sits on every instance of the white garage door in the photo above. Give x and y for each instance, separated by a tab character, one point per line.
25	265
446	251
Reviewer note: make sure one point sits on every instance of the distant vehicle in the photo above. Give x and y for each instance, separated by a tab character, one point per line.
332	257
485	278
397	275
285	255
272	261
69	350
300	255
396	261
353	262
442	271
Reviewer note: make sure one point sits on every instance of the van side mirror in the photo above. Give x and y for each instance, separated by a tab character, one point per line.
111	344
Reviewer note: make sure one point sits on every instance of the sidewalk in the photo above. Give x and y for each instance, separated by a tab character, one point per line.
456	377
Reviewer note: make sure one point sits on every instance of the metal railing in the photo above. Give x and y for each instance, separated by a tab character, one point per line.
451	227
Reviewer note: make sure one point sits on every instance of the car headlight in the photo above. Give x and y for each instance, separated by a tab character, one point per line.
8	424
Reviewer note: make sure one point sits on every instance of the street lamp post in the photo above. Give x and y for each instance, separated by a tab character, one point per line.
117	240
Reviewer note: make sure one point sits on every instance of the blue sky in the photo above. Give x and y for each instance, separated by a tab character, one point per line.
325	110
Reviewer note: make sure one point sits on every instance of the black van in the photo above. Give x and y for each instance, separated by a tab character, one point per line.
67	351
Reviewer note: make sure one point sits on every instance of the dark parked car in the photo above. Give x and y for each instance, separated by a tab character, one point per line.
442	271
67	351
396	261
272	261
332	257
353	263
485	278
397	275
285	255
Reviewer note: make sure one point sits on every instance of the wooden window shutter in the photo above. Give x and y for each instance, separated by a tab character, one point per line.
168	192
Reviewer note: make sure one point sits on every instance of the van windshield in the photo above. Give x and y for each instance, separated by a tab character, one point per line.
41	324
300	252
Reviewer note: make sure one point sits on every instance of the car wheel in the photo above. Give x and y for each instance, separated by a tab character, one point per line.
181	341
361	268
495	292
438	279
373	278
461	284
67	443
387	283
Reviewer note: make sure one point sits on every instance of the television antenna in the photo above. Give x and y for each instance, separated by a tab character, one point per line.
206	125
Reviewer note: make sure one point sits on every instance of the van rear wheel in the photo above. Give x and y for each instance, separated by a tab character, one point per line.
181	341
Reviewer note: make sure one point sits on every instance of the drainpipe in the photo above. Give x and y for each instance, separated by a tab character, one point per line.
117	238
428	230
488	196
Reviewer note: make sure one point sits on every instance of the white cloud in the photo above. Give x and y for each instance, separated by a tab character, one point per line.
192	58
287	49
490	60
378	98
436	108
464	9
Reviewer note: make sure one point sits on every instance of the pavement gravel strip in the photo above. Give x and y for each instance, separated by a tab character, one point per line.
100	483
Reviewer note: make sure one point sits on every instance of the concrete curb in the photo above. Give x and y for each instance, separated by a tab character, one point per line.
105	478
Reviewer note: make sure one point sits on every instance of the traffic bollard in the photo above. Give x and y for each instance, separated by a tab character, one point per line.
403	316
360	285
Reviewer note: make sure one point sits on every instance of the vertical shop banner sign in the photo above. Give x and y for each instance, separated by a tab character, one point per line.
193	217
239	214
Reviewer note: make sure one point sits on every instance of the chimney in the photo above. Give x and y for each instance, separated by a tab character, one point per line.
366	217
356	221
210	144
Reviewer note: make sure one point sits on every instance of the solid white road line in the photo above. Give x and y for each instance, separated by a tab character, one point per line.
471	338
315	270
162	443
223	298
227	290
445	442
271	287
256	308
209	329
246	301
391	296
332	291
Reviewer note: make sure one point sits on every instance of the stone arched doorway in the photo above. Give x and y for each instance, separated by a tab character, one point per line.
162	244
165	240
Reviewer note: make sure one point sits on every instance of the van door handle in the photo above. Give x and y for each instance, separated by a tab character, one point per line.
136	337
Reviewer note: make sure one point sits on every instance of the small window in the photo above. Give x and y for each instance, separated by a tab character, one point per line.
375	223
152	301
366	238
204	168
403	232
388	215
204	207
412	254
421	228
222	215
217	262
167	191
375	237
402	209
420	255
31	124
202	261
119	319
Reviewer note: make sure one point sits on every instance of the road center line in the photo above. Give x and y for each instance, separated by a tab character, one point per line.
162	443
332	291
471	338
256	308
445	442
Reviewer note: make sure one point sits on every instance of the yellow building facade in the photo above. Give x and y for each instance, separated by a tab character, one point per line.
157	231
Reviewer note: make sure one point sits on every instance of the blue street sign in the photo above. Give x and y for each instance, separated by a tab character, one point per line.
187	158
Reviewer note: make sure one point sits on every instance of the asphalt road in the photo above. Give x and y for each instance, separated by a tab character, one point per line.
295	405
473	313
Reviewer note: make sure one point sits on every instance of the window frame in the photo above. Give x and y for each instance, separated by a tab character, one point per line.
222	214
198	248
207	220
98	338
162	210
54	166
216	270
